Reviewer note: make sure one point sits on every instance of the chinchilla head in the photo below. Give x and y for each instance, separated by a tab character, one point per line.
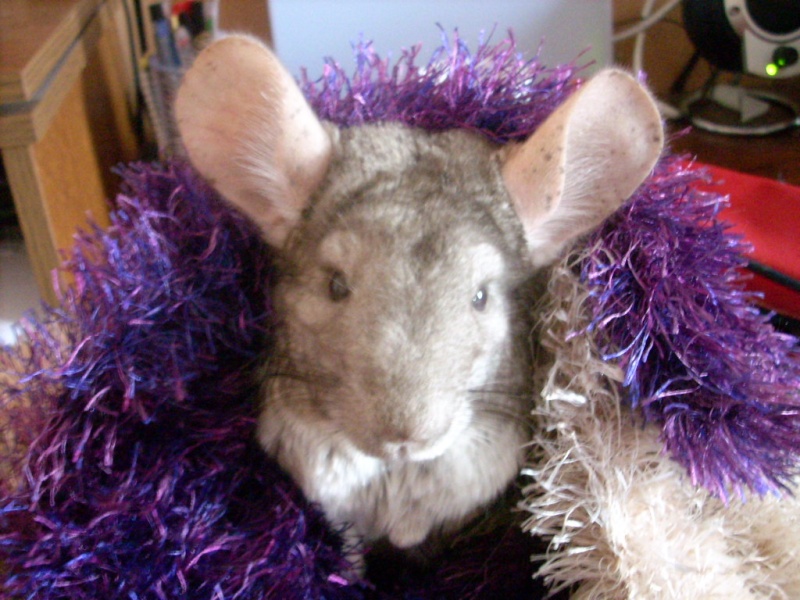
405	256
400	292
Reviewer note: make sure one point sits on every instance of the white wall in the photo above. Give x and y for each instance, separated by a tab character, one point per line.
305	31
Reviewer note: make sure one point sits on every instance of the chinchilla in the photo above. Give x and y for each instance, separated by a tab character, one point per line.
398	392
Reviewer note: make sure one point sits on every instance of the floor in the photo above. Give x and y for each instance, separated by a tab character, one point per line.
18	292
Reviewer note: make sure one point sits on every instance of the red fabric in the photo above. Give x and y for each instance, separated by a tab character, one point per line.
767	213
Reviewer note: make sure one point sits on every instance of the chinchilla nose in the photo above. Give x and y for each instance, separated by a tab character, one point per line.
419	445
401	434
402	451
396	450
417	431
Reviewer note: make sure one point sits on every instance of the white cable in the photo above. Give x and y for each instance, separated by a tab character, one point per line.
645	23
637	62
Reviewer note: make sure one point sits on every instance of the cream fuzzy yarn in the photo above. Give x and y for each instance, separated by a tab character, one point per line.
622	518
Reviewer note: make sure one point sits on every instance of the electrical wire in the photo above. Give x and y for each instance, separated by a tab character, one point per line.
638	46
647	22
649	18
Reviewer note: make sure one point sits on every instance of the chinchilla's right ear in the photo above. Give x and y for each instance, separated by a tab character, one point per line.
583	162
248	129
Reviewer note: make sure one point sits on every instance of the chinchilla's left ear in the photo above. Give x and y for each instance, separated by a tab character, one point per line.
248	129
584	161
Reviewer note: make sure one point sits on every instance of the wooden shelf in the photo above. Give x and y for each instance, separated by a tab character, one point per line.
36	36
65	118
775	156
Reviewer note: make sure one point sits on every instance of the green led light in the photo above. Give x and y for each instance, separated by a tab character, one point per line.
772	69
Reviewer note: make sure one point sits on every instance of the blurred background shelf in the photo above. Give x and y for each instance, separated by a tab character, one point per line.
68	95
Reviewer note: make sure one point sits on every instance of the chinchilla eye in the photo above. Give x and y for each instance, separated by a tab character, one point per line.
480	299
337	287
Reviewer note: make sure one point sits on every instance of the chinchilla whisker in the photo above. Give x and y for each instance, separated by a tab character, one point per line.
286	369
501	406
318	379
511	392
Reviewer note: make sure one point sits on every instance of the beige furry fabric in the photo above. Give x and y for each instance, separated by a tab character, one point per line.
623	520
19	419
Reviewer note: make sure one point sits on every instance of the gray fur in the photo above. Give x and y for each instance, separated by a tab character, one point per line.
398	392
417	222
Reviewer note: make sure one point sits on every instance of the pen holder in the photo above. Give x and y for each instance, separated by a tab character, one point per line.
159	85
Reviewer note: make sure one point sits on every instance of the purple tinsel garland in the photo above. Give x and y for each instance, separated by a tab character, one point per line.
492	91
699	358
142	479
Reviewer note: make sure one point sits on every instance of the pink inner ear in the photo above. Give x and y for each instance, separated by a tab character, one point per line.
586	159
534	171
248	129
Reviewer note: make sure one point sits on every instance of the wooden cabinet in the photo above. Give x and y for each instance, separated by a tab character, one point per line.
66	100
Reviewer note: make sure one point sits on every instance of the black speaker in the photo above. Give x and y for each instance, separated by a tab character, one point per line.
759	37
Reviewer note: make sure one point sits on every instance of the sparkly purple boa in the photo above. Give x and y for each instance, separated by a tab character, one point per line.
700	360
